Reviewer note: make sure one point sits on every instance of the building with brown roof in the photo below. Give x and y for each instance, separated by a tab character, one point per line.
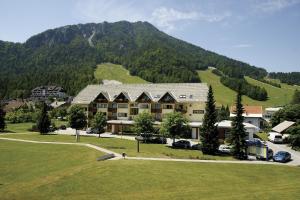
252	115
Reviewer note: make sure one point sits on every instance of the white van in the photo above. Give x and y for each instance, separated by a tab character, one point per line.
275	137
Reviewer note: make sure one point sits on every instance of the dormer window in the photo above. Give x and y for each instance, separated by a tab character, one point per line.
183	96
191	96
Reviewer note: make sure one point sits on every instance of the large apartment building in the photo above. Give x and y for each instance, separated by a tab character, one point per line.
122	102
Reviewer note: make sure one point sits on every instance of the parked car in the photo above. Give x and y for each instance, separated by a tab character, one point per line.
63	127
255	141
224	149
158	140
282	156
269	155
183	144
52	128
196	146
275	137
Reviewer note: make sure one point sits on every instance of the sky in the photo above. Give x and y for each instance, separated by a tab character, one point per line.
264	33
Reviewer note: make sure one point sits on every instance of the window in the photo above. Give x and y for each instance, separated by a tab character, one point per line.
143	105
198	111
167	106
122	114
122	105
114	105
183	96
134	111
102	105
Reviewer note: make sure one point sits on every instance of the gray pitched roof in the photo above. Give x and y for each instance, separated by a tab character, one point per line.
182	92
282	126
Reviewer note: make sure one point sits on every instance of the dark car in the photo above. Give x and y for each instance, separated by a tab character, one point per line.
282	156
158	140
183	144
63	127
269	155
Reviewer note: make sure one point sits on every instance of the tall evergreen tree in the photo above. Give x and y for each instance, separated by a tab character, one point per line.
209	133
223	114
43	122
238	132
2	119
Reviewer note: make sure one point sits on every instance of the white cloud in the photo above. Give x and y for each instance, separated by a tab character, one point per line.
274	5
242	46
163	17
166	18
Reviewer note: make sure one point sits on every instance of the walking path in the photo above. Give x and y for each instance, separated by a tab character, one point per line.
119	156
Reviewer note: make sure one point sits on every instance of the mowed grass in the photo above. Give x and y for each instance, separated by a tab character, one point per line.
19	127
226	96
109	71
123	145
45	171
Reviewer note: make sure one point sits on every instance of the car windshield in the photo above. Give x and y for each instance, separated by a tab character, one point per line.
281	153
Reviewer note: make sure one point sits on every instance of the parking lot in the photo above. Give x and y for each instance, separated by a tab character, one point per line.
283	147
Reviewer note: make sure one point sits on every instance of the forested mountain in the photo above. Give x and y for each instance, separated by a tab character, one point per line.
68	55
291	78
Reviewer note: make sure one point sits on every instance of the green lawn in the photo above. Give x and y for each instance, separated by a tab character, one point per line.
46	171
226	96
111	71
19	127
124	145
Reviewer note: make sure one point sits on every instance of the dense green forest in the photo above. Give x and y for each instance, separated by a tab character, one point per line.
67	56
291	78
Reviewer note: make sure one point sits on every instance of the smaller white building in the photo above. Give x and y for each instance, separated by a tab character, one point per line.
224	128
252	115
269	112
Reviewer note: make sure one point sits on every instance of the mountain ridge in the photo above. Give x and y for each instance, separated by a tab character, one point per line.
67	57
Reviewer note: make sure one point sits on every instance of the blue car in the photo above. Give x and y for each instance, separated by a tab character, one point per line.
282	156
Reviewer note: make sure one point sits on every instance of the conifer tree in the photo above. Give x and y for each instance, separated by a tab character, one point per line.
43	122
209	133
2	119
238	132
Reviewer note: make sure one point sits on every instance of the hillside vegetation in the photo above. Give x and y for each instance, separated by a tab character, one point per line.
68	55
109	71
226	96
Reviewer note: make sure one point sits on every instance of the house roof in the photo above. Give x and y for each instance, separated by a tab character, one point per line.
283	126
273	109
182	92
249	111
57	104
227	124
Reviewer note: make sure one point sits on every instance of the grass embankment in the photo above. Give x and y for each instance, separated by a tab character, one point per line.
226	96
47	171
111	71
123	145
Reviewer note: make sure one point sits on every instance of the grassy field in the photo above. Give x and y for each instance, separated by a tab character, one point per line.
111	71
226	96
123	145
19	127
46	171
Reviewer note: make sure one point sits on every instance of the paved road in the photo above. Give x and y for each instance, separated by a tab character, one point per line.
284	147
118	156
